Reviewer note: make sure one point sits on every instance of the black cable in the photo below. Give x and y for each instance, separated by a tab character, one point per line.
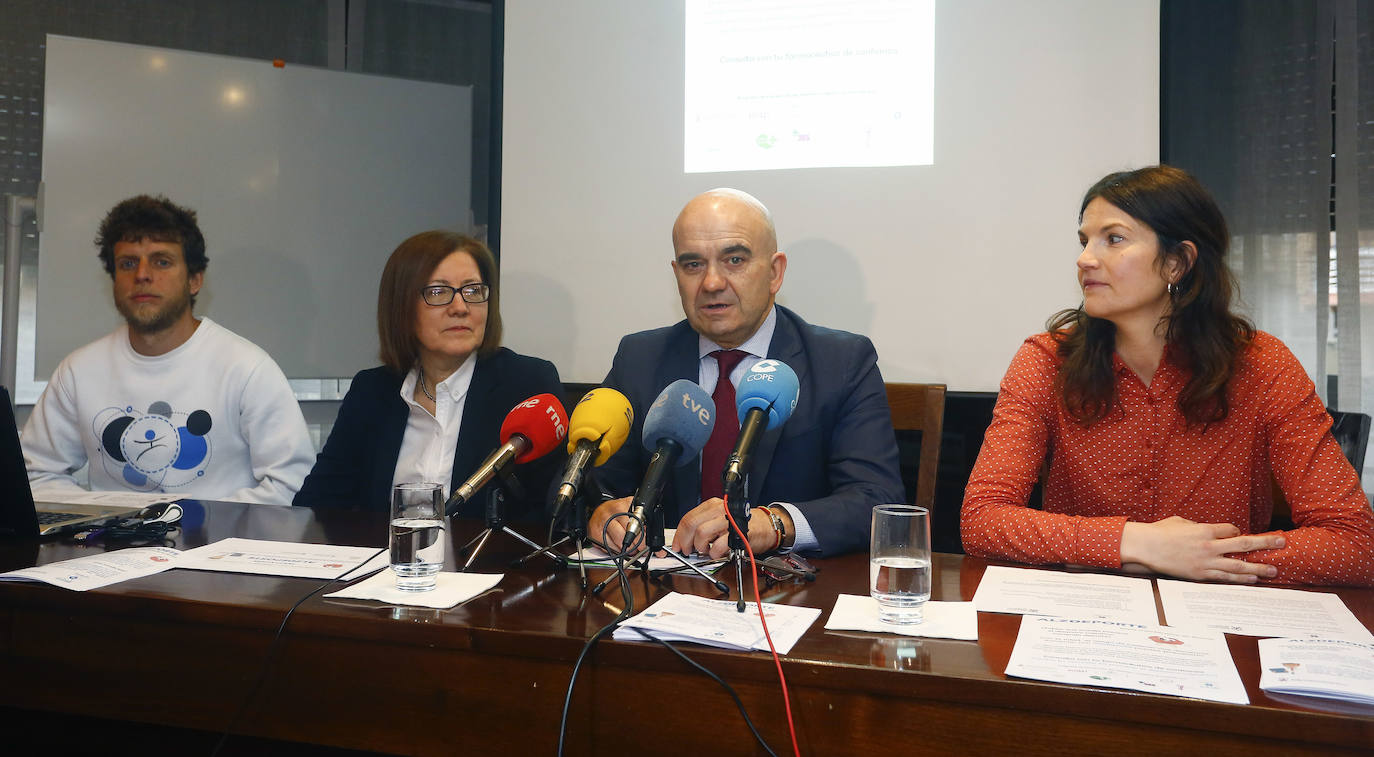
625	549
629	599
133	528
728	689
272	650
567	699
553	522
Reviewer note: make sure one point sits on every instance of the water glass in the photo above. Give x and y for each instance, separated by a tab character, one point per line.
899	562
417	535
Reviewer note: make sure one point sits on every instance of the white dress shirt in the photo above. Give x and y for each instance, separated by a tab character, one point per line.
430	441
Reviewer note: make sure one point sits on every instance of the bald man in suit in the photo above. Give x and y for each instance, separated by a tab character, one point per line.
816	478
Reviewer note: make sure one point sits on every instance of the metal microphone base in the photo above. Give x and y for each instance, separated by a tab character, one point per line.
737	503
579	543
577	534
654	543
642	562
739	558
481	540
496	521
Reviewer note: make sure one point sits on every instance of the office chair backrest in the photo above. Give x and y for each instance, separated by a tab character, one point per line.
1352	433
920	407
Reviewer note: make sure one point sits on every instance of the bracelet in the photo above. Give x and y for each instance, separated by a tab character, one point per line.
786	544
778	529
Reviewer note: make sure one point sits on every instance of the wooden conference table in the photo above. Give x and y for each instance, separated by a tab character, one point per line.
185	648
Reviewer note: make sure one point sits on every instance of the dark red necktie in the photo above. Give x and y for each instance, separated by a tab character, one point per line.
726	430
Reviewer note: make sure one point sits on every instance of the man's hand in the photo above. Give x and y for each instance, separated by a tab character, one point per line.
615	532
705	531
1198	551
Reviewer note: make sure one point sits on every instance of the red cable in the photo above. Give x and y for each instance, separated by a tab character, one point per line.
758	603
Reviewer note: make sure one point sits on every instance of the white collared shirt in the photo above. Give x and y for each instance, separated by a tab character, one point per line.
430	441
708	373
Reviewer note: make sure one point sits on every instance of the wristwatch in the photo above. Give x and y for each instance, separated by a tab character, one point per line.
783	544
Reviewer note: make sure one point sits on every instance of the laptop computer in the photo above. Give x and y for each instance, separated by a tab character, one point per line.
20	516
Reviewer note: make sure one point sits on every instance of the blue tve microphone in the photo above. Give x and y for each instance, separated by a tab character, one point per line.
675	429
765	398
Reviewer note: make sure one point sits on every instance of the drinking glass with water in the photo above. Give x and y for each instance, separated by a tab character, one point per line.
417	535
899	562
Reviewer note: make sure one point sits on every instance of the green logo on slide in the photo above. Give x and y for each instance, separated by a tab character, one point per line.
765	140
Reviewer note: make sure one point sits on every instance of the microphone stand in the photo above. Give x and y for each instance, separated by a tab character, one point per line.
654	541
732	484
575	530
496	519
738	502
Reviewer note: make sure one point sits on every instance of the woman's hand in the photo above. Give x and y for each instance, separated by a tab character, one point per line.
1198	551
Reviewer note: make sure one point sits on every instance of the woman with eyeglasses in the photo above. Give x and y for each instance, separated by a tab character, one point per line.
433	410
1163	417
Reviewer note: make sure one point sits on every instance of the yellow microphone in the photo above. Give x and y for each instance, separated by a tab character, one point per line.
599	425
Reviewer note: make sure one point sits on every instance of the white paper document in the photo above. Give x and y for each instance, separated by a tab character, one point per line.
450	589
1022	591
382	559
717	622
95	571
943	620
277	558
1259	611
64	496
1131	656
1331	668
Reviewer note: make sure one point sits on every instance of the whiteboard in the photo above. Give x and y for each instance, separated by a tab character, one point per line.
948	267
304	181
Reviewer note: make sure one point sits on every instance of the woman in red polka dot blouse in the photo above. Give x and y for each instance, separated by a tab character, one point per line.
1164	417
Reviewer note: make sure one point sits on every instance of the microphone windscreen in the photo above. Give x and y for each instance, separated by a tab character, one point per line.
602	415
770	386
542	420
684	413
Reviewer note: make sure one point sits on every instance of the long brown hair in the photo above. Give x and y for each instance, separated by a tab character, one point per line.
407	271
1202	332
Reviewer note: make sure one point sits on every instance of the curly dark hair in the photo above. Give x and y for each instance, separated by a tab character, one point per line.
1199	326
153	218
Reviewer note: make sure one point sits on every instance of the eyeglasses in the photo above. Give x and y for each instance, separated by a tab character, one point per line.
440	294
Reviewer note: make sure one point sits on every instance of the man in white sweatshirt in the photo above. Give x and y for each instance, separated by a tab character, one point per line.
167	402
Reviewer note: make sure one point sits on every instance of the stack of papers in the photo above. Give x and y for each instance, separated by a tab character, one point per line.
1023	591
1099	630
66	496
1260	611
1117	655
268	558
718	623
95	571
1330	668
280	558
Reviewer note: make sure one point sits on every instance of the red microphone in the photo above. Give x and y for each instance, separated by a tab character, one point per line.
531	430
542	422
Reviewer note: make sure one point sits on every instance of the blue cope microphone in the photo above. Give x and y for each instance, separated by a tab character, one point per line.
765	398
676	427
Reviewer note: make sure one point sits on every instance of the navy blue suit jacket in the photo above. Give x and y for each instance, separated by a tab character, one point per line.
834	459
358	462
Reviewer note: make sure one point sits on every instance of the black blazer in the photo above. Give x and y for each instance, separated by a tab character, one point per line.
834	459
358	462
